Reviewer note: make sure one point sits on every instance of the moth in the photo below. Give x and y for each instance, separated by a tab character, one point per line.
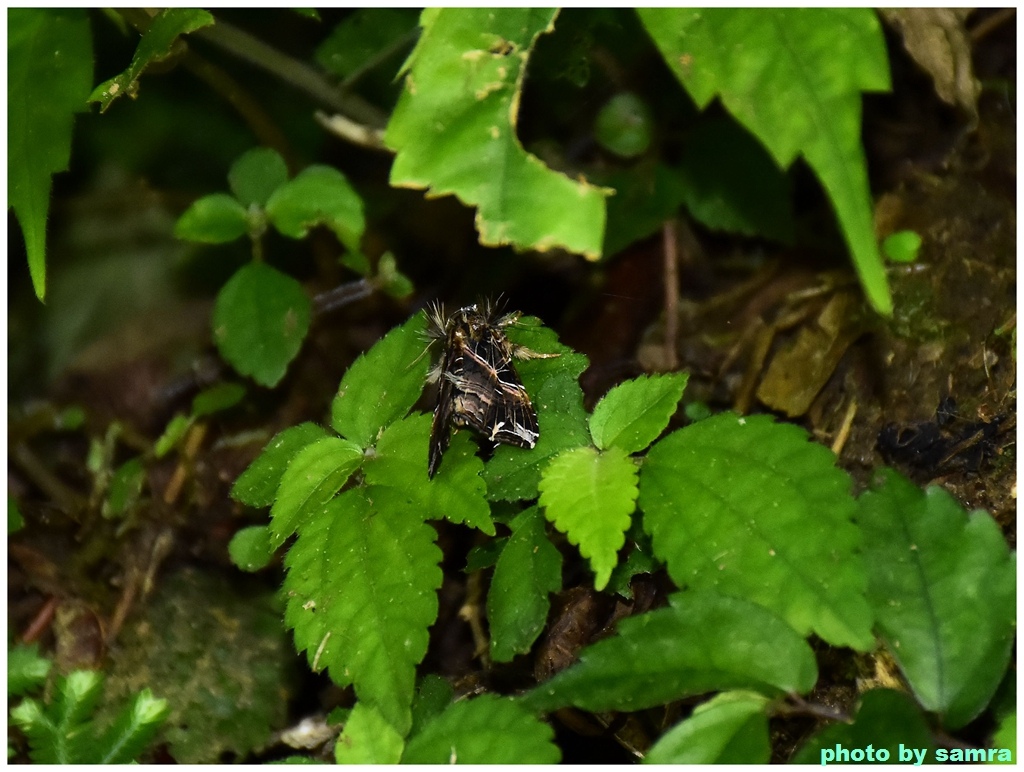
479	385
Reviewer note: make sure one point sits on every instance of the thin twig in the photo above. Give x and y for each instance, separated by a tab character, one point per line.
67	499
351	131
844	431
670	238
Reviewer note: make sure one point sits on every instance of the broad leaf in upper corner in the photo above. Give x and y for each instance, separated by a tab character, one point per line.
49	61
943	586
454	130
751	508
362	593
794	78
260	319
156	45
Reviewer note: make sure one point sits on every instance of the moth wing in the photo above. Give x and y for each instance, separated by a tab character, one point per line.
441	426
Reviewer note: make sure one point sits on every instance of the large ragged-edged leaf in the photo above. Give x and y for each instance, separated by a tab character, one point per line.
943	586
731	728
814	63
590	496
312	478
751	508
260	319
365	403
398	471
49	74
703	642
528	569
362	592
156	44
487	730
454	131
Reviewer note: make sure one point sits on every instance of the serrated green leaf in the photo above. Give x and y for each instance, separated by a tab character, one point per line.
362	593
634	413
133	730
57	732
314	474
815	62
49	60
942	584
398	471
368	739
731	728
260	319
704	642
590	496
527	571
886	720
256	175
223	396
318	195
729	182
214	219
257	485
514	473
155	45
454	132
250	548
486	730
382	384
26	670
750	508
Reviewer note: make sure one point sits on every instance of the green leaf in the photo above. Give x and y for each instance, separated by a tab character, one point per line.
632	415
590	496
133	730
26	670
750	508
486	730
318	195
256	175
361	589
156	45
942	584
314	475
49	60
368	739
886	720
624	125
815	62
125	488
223	396
260	319
454	131
703	642
1006	737
250	548
257	485
172	435
902	247
58	733
382	384
214	219
15	520
528	569
731	728
433	695
398	471
646	195
729	182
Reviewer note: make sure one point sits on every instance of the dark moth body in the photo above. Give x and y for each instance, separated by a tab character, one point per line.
479	385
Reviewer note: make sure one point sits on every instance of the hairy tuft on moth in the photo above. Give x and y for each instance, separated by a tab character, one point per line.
479	385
